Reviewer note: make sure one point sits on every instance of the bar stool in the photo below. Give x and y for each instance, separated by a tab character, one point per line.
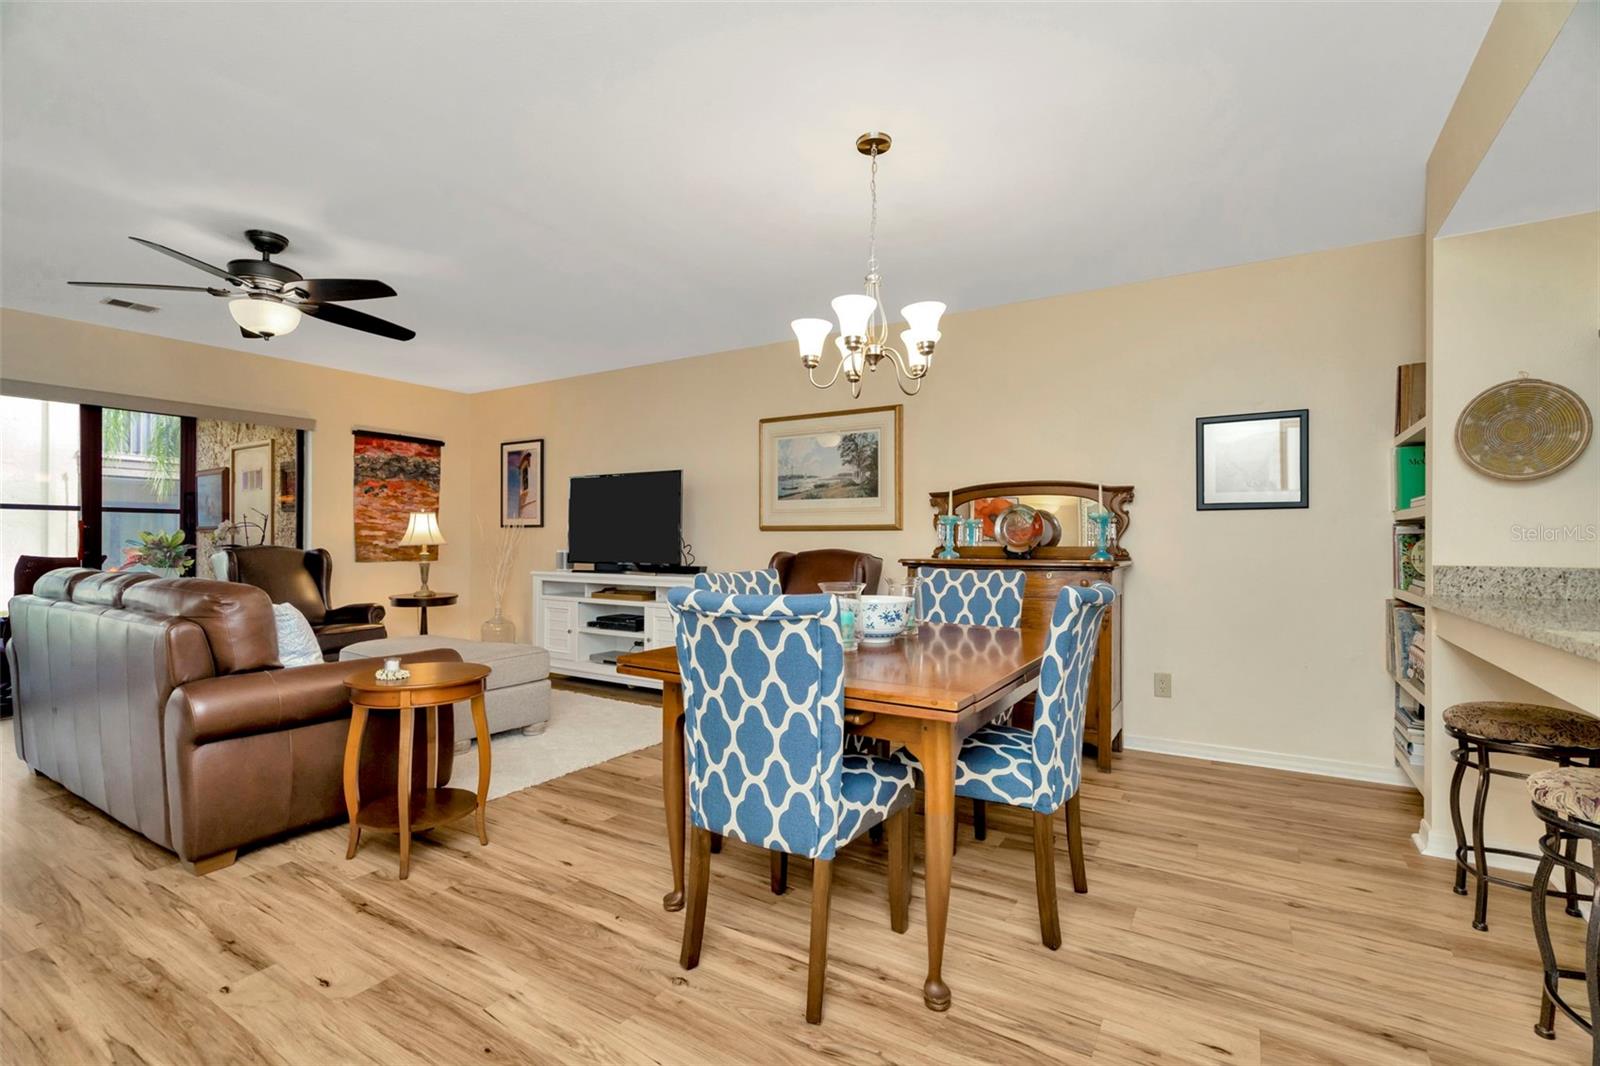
1567	800
1529	729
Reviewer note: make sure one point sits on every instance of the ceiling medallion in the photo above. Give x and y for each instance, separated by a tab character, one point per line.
863	328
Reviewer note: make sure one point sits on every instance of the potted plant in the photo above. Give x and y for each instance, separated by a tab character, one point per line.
165	553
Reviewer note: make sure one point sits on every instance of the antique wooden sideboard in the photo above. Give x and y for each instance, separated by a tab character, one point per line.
1050	568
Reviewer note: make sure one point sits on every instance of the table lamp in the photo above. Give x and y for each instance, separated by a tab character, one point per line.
422	531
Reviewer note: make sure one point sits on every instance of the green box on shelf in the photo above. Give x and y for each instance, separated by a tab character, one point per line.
1410	474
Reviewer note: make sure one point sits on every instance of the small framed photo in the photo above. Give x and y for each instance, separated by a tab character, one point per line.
1251	462
522	483
211	498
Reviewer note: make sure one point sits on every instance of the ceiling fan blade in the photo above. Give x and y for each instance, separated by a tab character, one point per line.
324	290
191	260
164	288
344	316
247	335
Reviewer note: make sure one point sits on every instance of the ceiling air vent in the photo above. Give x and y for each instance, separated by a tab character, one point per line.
112	301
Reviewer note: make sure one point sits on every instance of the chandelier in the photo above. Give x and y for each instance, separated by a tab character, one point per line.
863	328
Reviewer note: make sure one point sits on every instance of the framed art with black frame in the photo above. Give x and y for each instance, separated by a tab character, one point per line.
1252	462
522	483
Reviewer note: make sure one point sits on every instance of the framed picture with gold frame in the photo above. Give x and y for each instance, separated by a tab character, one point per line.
831	470
252	499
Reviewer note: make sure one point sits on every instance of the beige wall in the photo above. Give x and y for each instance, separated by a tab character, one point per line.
1266	619
54	351
1508	301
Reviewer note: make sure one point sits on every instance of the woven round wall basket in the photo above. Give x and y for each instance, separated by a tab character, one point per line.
1524	429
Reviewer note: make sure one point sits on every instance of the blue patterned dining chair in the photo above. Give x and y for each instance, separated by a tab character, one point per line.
763	726
975	597
988	597
1039	768
740	582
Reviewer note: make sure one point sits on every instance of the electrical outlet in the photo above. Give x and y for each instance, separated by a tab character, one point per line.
1164	686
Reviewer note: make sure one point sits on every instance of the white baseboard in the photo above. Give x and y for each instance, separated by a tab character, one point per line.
1383	774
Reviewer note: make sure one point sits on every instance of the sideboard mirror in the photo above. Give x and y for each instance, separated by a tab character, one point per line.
1072	505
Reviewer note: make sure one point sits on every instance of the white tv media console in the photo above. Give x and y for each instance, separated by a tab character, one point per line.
566	604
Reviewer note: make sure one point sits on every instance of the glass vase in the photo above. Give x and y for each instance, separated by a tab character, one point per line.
848	593
499	629
948	524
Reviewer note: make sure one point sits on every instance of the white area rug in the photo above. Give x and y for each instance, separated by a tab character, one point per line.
584	730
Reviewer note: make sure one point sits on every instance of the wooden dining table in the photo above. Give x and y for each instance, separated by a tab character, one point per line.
926	692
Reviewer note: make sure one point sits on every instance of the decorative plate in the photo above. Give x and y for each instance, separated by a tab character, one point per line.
1019	529
1052	530
1524	429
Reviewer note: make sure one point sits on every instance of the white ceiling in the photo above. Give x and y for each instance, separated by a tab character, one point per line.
561	189
1545	162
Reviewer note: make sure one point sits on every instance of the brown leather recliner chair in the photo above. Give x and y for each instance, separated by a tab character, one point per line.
161	702
304	578
799	572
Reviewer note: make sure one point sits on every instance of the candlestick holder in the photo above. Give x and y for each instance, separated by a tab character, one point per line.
1102	538
948	524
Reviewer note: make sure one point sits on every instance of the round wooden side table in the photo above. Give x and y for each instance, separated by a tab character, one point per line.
422	601
429	686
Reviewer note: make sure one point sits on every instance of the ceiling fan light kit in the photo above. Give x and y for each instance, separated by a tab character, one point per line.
863	327
268	299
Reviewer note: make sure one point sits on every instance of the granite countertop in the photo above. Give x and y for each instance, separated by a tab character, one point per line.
1568	625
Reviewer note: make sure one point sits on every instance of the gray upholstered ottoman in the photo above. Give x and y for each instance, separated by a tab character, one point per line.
518	694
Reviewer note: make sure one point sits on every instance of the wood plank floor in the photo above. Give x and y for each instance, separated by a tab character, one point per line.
1235	915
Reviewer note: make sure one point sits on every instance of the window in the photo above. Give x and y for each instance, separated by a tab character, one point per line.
141	460
39	486
85	481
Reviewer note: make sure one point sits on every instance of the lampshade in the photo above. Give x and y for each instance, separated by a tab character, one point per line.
266	317
922	319
422	529
854	312
915	360
812	334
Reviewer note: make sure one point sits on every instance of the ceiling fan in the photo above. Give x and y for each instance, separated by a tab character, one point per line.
267	298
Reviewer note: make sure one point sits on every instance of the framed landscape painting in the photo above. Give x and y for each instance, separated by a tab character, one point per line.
522	483
211	498
832	470
1251	462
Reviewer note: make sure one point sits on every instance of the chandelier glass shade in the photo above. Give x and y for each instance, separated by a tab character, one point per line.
267	318
863	337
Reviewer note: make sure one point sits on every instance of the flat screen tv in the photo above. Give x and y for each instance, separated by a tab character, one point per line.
626	520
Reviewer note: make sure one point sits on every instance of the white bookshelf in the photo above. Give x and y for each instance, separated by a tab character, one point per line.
1416	433
566	604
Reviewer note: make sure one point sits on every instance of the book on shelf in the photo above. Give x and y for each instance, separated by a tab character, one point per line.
1410	396
1406	556
1410	474
1406	624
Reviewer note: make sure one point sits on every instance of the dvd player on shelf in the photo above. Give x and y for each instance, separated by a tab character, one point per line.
626	623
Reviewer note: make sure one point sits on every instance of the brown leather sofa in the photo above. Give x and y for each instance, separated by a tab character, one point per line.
161	702
799	572
305	579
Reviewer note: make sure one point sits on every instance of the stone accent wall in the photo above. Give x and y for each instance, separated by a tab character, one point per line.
213	443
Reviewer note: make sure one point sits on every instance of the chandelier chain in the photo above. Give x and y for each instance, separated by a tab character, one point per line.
872	227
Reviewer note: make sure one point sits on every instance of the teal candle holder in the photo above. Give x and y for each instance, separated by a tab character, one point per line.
1102	521
948	524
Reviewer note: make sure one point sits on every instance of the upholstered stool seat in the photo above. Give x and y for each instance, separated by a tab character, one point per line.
1570	791
1486	727
1525	723
1567	801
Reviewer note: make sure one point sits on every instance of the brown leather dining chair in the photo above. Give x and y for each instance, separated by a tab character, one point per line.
799	572
304	578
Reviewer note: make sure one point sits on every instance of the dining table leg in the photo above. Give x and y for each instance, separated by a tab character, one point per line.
672	788
936	751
